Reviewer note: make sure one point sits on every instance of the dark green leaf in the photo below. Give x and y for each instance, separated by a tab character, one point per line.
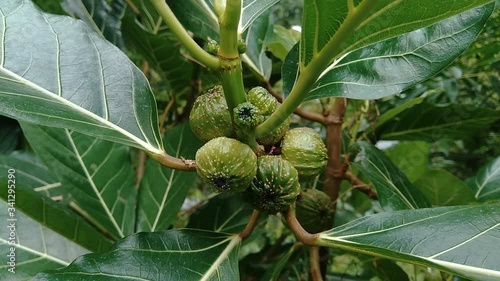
170	255
33	186
388	18
444	189
431	123
274	272
163	190
390	66
256	39
36	248
223	213
97	176
9	134
104	17
462	240
197	16
395	191
486	184
411	157
58	72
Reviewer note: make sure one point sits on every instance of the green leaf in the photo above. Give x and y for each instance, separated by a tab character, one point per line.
282	41
60	73
223	213
411	157
274	272
486	183
444	189
251	10
33	185
431	123
163	190
388	67
36	248
97	176
462	240
197	16
395	191
387	19
170	255
103	17
256	38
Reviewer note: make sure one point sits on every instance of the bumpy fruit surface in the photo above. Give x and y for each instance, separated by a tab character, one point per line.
276	135
304	148
226	165
314	210
247	115
210	116
275	186
261	98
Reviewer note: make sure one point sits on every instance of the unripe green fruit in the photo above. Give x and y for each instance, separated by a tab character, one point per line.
275	186
261	98
247	115
304	148
226	165
242	46
213	47
276	135
210	116
314	210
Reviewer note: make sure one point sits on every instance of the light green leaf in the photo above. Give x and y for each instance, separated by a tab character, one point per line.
251	10
387	19
197	16
58	72
462	240
486	184
170	255
431	123
104	17
256	39
395	191
444	189
37	248
97	176
34	185
388	67
282	41
411	157
223	213
163	190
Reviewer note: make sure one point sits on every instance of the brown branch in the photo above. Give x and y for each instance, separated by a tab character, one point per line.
139	170
250	225
312	116
314	262
297	229
360	185
174	163
334	169
134	9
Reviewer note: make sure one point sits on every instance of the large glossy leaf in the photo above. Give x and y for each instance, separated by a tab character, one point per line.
170	255
430	123
462	240
223	213
387	19
411	157
37	248
33	187
56	71
102	16
444	189
97	175
251	10
395	191
388	67
486	184
256	38
163	190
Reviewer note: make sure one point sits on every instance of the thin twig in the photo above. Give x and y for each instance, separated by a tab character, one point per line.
133	7
139	171
250	225
312	116
314	261
297	229
360	185
164	115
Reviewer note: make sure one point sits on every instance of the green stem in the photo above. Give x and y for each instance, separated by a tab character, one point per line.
309	74
187	41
